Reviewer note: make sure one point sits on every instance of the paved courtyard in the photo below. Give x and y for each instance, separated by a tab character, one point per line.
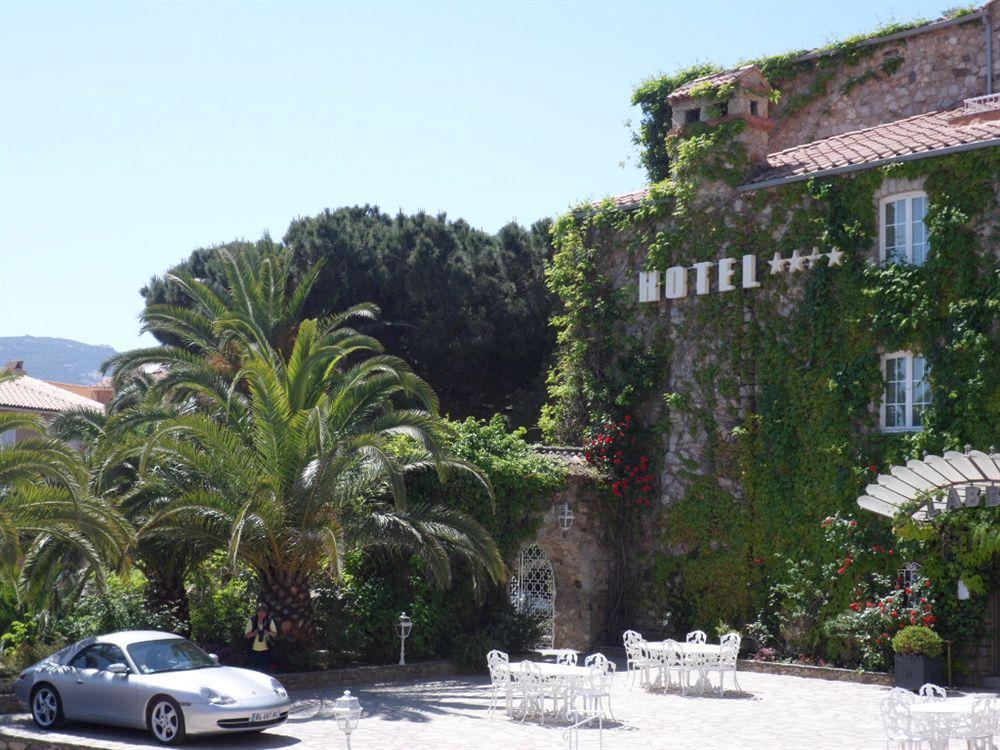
773	713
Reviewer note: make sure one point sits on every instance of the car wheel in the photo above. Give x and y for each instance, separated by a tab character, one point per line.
46	707
166	721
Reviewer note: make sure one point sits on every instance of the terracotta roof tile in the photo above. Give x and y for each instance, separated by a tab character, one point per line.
716	79
924	133
24	392
920	134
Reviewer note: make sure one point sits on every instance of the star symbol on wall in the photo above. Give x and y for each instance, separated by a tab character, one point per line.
777	264
813	257
836	257
796	262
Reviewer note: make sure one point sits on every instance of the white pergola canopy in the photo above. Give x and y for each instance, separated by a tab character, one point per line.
935	482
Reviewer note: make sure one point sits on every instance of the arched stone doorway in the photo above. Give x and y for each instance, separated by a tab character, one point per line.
533	591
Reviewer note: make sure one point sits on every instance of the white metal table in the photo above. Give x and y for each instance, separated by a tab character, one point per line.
564	678
657	649
948	719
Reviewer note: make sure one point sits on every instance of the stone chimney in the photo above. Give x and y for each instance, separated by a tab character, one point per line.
15	366
739	94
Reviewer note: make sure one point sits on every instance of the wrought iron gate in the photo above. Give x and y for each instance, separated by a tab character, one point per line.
533	591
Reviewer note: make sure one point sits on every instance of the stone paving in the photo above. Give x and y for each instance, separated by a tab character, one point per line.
772	713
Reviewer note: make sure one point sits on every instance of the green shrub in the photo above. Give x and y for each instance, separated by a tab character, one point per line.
469	650
220	605
122	606
21	647
917	640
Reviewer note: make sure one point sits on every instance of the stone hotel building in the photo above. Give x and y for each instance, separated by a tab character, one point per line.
794	317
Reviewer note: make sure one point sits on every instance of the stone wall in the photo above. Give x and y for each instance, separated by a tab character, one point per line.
580	564
937	69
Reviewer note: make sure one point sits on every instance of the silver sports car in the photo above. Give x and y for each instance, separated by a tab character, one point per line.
150	680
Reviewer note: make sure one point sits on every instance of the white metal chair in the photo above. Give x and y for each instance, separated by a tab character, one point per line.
984	724
630	638
733	637
696	636
693	663
633	654
596	688
930	692
595	660
534	689
898	723
725	662
501	680
567	657
670	660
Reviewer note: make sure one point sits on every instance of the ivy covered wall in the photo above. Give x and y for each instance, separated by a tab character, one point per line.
761	405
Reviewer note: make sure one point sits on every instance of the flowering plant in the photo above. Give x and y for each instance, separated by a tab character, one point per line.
612	449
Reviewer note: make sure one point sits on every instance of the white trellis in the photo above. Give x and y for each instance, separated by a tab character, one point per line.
533	591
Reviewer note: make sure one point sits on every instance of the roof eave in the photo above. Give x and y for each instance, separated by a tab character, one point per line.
746	187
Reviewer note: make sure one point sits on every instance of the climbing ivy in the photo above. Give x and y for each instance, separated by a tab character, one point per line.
776	386
817	68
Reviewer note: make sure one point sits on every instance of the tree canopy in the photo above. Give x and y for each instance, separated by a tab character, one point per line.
469	310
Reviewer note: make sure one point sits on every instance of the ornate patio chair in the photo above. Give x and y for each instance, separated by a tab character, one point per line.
633	654
670	662
929	692
501	680
900	731
534	689
694	663
569	658
984	724
596	688
733	637
723	663
600	661
696	636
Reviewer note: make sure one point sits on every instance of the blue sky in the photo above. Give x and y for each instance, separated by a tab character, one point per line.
131	134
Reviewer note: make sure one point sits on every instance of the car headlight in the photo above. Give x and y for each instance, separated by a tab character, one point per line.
278	688
216	699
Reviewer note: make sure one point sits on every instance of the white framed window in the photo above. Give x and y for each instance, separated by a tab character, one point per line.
907	394
902	228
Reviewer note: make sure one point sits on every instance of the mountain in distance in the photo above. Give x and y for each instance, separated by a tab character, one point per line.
62	360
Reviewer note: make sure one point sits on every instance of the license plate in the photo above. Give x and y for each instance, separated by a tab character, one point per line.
264	716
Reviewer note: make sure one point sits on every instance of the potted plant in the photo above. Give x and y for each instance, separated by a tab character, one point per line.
918	657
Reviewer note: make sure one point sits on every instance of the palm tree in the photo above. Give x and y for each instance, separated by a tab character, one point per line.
312	463
113	446
47	514
204	343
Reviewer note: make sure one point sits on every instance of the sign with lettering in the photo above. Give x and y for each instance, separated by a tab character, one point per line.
676	280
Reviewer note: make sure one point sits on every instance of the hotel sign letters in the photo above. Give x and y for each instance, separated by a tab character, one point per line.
676	281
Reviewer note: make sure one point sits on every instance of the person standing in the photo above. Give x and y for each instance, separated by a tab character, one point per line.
261	632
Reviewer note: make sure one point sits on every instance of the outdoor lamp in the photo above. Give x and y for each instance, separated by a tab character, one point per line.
403	628
348	713
565	517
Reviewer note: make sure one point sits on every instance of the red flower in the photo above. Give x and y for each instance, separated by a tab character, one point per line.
853	524
873	468
841	571
890	552
856	606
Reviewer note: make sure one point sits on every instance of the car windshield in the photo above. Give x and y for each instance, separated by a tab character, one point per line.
169	655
